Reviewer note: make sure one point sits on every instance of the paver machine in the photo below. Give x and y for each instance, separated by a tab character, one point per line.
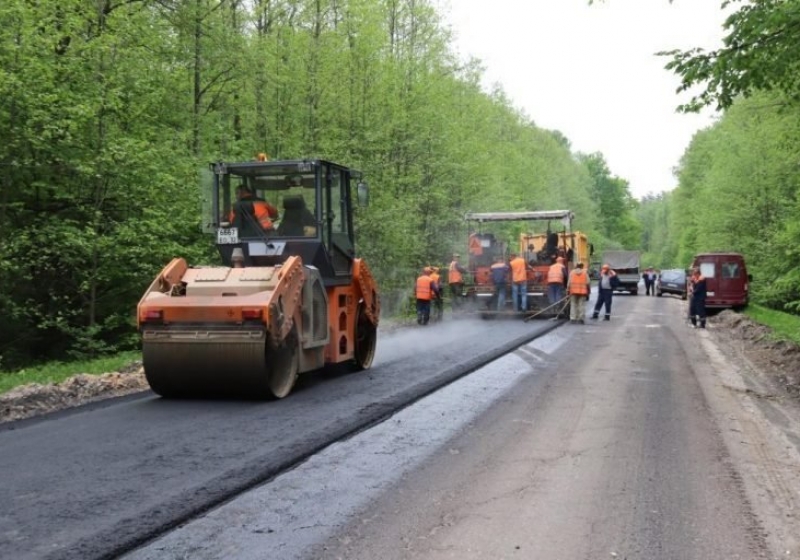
290	297
485	245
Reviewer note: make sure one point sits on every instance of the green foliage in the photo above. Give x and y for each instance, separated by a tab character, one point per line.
760	53
784	325
107	110
739	190
55	372
618	227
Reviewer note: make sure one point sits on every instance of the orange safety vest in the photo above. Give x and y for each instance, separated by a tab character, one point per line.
578	282
453	274
555	274
263	213
518	270
424	287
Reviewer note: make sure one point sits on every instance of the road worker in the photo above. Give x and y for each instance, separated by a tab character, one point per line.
556	281
605	290
426	290
455	279
499	272
519	282
438	302
578	288
697	300
251	214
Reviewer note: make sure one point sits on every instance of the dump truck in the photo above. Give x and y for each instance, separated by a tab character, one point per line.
538	249
626	265
290	296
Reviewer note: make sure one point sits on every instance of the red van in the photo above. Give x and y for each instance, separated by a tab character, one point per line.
727	280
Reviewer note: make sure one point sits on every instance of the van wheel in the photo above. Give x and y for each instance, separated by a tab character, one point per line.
683	297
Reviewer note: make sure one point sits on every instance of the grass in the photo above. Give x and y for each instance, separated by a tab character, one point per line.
55	372
785	326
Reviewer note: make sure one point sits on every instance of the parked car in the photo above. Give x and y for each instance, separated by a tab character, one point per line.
671	282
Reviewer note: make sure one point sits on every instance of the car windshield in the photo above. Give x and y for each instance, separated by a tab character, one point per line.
677	276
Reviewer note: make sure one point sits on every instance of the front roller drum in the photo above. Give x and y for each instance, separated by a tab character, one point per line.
220	363
365	341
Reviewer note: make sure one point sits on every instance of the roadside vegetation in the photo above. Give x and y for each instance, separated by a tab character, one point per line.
107	115
109	111
784	326
738	180
55	372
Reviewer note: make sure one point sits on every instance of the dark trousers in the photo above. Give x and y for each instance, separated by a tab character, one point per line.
697	309
648	287
423	311
456	291
603	298
438	308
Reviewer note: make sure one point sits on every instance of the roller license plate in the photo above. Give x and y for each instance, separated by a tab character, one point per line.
227	236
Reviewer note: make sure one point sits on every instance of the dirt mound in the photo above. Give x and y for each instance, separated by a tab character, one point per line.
34	399
777	360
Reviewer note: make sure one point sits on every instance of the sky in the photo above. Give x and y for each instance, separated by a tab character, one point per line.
591	72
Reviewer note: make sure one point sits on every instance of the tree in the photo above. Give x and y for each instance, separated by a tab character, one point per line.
760	52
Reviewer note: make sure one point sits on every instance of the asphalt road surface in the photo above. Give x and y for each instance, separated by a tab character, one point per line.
636	438
98	480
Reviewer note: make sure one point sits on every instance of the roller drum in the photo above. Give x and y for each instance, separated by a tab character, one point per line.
223	362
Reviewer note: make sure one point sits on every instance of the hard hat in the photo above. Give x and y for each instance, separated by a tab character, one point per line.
456	255
426	270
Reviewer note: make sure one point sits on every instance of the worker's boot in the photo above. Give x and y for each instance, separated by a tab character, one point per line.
703	323
594	316
607	318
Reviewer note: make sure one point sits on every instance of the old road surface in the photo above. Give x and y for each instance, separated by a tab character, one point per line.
637	438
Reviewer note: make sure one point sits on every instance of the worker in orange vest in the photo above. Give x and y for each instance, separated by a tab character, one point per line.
455	279
426	290
578	288
438	303
556	281
251	214
519	282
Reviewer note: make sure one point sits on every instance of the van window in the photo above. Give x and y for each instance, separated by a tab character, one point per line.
730	270
707	269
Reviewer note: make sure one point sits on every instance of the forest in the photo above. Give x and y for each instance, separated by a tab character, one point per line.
110	109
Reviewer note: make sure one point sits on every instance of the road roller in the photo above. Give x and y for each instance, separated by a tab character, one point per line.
290	296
